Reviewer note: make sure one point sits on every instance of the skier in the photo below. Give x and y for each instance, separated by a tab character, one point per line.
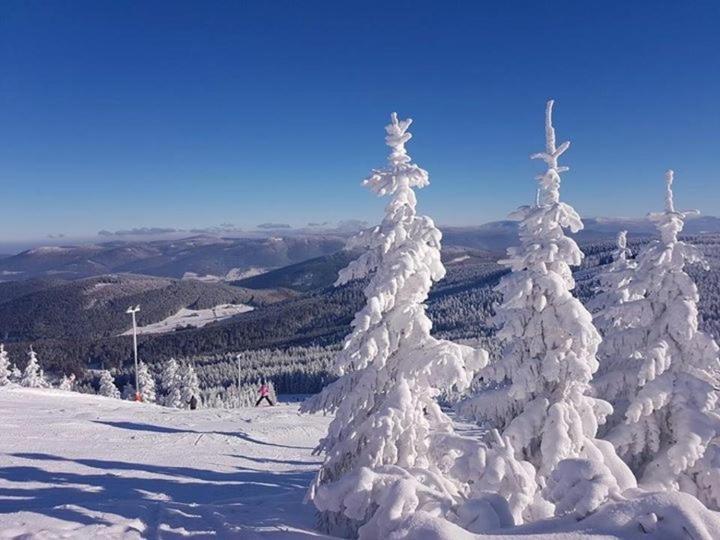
193	403
264	394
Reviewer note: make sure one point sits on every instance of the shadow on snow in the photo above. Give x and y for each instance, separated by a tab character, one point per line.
204	501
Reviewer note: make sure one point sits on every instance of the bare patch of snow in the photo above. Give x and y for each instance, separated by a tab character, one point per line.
195	318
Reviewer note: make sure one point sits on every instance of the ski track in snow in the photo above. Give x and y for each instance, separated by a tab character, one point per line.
82	466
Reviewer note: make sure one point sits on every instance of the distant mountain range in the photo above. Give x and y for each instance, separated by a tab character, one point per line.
499	235
95	307
219	258
197	255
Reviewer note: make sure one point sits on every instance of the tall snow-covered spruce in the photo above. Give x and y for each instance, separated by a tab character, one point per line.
378	457
537	392
671	416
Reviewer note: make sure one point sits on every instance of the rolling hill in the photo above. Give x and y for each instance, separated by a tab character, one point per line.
95	307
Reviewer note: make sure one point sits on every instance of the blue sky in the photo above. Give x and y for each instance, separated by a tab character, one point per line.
191	114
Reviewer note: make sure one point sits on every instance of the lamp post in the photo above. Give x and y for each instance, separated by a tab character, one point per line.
132	311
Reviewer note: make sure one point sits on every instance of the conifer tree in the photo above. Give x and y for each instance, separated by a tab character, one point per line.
15	374
67	383
107	385
147	384
672	414
537	391
391	368
170	385
4	366
189	385
33	376
616	378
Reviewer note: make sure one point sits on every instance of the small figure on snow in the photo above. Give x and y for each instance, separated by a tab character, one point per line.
264	394
193	403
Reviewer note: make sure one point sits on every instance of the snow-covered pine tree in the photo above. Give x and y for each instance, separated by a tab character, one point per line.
189	385
67	383
616	377
107	385
537	391
4	366
170	385
33	376
147	384
15	374
390	367
672	414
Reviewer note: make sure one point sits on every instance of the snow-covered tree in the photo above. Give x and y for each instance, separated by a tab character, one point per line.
107	385
189	385
33	376
170	384
67	383
579	486
15	374
616	377
671	416
146	382
4	366
537	391
390	367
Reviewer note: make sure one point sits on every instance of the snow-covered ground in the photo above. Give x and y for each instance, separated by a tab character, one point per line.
235	274
197	318
80	466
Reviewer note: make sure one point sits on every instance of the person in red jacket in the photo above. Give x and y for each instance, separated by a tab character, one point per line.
264	394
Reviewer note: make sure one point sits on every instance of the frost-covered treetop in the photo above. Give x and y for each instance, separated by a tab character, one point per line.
401	223
549	192
545	245
401	173
622	252
670	222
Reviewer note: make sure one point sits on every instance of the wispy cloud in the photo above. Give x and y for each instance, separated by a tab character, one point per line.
274	226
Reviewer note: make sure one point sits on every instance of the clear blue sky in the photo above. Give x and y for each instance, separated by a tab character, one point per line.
188	114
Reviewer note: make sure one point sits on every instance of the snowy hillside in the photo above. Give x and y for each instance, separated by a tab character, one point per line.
193	318
79	466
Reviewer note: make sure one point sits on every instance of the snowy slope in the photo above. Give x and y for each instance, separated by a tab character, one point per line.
196	318
79	466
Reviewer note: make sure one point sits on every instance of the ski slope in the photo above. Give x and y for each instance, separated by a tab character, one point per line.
80	466
195	318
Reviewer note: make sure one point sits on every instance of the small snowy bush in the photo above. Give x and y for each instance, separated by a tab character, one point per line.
580	486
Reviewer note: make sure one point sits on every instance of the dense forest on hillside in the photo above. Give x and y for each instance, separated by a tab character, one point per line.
461	307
